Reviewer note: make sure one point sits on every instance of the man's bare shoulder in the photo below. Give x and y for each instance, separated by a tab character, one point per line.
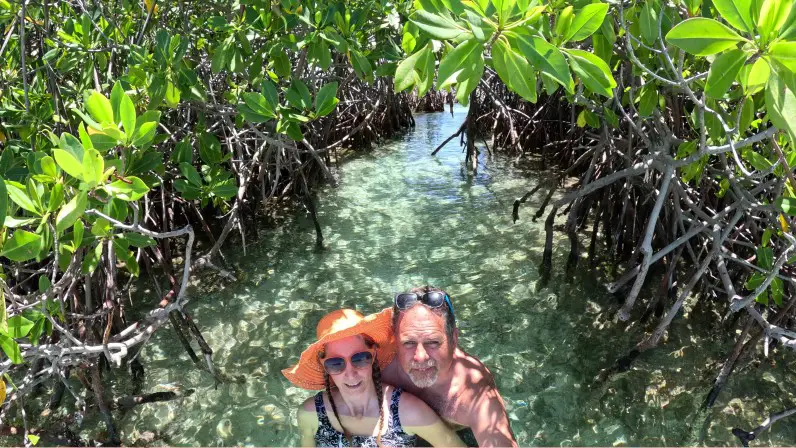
473	370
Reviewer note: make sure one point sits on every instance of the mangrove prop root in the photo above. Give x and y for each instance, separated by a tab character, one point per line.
155	397
651	211
748	436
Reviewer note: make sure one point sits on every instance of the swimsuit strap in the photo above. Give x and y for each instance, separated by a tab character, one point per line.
320	409
396	419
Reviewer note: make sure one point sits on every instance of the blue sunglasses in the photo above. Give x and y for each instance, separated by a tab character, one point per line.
432	299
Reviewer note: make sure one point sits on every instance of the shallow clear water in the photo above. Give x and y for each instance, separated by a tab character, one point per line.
401	218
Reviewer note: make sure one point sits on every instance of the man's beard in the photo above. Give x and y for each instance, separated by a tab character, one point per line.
426	378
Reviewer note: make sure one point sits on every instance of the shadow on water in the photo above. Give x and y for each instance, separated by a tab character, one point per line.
401	218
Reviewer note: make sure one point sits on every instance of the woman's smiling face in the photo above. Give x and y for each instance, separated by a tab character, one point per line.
351	381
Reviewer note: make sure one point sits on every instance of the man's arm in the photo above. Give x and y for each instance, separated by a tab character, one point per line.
489	422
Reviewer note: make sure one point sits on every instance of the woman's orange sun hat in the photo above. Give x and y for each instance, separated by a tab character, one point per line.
339	324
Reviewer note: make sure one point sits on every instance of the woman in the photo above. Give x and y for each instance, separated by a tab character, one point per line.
345	363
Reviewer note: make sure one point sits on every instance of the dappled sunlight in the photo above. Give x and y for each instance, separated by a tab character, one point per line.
398	219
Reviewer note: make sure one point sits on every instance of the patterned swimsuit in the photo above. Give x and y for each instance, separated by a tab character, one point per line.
395	435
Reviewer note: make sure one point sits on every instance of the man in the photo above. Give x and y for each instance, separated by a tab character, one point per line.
431	366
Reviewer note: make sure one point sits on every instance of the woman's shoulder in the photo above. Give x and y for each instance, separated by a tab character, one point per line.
414	411
308	405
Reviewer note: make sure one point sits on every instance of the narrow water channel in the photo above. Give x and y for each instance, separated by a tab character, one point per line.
401	218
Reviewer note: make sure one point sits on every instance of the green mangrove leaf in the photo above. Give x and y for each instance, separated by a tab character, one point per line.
183	152
100	108
210	149
20	197
701	36
773	14
77	233
11	349
298	95
117	93
3	204
781	104
93	167
649	23
737	13
127	115
784	53
723	71
586	21
787	205
19	326
437	26
405	75
593	72
22	246
564	21
69	214
514	70
191	174
648	100
144	134
139	240
545	57
326	100
457	64
132	191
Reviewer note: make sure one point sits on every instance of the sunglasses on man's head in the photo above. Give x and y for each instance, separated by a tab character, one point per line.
433	299
336	365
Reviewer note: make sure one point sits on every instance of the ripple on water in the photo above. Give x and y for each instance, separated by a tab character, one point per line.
401	218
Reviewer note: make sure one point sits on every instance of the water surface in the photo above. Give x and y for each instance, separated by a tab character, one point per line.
401	218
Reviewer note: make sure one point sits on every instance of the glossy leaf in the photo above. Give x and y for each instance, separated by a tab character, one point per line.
593	72
457	65
737	13
773	14
19	326
515	71
132	190
649	22
298	95
20	197
71	212
3	203
326	100
191	174
546	58
93	167
436	25
785	54
209	148
257	103
100	108
787	205
22	246
781	104
702	36
127	115
586	21
11	349
723	72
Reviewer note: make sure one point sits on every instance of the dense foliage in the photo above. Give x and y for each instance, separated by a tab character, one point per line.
682	134
125	124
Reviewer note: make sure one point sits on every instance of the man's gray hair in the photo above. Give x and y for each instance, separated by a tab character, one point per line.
444	311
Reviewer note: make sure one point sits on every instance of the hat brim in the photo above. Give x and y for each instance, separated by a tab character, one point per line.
308	373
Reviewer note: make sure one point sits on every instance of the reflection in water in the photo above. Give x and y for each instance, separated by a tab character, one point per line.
401	218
